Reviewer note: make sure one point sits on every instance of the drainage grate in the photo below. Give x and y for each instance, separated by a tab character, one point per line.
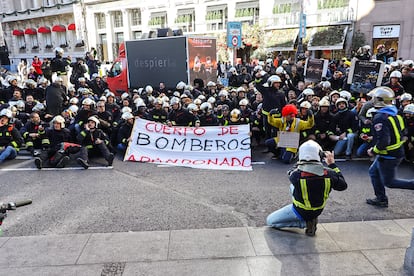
113	269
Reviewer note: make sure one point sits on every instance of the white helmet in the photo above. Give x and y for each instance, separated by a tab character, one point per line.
126	109
235	115
210	83
6	112
202	98
73	109
370	112
409	108
30	83
233	70
326	84
149	89
258	68
158	101
223	93
396	74
88	101
310	151
305	104
20	105
211	100
174	100
271	80
74	100
205	106
324	102
408	62
102	99
269	60
308	92
192	107
406	97
280	70
38	107
383	96
197	101
109	94
59	51
180	85
94	119
240	89
127	115
243	102
124	96
165	105
81	79
59	119
139	102
345	94
341	100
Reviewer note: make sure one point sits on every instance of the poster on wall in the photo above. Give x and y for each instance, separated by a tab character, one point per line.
315	69
202	59
365	75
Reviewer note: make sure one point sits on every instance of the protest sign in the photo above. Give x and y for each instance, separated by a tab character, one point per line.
216	147
315	69
365	75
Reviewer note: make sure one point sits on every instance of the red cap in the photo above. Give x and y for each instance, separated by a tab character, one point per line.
289	109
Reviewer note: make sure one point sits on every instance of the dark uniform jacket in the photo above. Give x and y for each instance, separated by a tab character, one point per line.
10	136
311	191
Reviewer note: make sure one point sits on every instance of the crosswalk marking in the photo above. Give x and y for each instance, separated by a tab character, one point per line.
55	169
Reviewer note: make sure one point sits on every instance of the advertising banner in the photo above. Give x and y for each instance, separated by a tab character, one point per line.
216	148
365	75
315	69
202	59
153	60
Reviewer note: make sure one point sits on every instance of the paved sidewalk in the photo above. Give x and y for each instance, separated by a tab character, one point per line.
351	248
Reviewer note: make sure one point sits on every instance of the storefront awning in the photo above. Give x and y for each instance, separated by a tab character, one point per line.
44	30
18	32
328	37
59	28
30	31
281	40
72	27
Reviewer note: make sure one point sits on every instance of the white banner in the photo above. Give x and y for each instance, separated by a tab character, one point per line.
218	148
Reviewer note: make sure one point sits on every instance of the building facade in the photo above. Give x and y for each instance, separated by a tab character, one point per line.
35	27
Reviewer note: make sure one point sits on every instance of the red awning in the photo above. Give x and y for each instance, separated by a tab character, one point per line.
18	32
72	27
44	30
30	31
59	28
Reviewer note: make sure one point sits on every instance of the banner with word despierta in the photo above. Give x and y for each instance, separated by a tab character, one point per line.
215	147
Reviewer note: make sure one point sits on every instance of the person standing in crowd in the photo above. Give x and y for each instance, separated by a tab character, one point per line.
93	64
310	186
389	137
47	69
37	65
78	70
55	97
59	66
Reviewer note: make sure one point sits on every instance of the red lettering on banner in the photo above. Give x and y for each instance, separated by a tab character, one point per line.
180	131
131	158
144	159
232	130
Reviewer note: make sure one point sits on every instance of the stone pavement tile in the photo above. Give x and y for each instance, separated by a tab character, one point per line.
3	241
126	247
66	270
407	224
210	243
368	235
269	241
386	260
200	267
42	250
338	263
264	266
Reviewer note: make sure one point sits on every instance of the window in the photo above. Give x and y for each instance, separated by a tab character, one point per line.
102	47
47	3
247	15
116	69
216	19
332	4
118	19
119	38
158	20
136	17
137	34
100	20
185	20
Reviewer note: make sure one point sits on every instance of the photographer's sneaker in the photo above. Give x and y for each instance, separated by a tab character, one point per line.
377	202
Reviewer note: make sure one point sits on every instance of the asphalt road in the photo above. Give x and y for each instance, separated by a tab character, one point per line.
144	197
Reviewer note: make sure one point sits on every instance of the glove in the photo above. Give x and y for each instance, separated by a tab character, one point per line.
274	111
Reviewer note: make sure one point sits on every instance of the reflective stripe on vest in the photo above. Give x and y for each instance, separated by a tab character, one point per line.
397	131
306	205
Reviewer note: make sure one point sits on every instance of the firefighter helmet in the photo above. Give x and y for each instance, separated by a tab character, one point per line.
383	96
310	151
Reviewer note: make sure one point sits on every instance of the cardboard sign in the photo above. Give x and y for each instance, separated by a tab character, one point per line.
365	75
315	69
216	147
288	139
